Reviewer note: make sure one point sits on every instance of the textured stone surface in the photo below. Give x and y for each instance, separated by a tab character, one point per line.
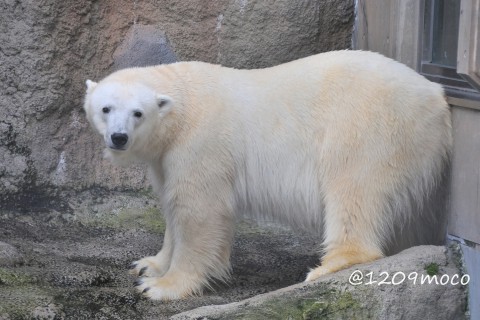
49	48
74	265
333	297
143	46
9	255
252	34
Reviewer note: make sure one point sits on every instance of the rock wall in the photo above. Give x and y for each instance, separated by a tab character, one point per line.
48	48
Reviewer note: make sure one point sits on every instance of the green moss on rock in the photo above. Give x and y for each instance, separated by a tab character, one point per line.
432	269
19	302
337	305
325	303
10	278
150	219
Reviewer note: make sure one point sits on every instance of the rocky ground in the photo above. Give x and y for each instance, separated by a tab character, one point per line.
70	259
72	262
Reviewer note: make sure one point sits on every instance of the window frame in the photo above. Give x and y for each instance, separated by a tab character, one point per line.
468	54
461	84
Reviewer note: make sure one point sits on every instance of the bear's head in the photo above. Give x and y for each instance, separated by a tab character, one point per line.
125	113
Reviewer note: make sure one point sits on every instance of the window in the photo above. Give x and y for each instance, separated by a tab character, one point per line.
450	52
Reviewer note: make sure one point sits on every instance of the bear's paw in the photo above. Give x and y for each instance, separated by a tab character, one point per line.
149	267
169	287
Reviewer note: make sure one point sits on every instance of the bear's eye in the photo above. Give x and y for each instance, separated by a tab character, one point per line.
137	114
106	109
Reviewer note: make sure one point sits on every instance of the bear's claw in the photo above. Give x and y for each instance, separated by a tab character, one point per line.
142	271
148	267
137	283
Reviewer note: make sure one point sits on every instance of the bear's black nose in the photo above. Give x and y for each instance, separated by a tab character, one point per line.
119	139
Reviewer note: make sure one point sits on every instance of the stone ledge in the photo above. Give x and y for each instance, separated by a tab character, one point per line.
333	297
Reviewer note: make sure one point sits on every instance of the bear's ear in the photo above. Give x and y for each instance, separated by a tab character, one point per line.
90	85
164	103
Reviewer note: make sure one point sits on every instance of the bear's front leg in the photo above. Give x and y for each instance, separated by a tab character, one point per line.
155	266
201	226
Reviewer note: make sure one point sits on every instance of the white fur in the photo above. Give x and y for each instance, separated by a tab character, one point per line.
346	144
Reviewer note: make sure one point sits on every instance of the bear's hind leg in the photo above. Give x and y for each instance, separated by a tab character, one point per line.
342	257
354	226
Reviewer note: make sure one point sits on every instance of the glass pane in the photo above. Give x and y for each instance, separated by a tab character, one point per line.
445	32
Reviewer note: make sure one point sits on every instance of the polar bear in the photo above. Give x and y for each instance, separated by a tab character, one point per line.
344	144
